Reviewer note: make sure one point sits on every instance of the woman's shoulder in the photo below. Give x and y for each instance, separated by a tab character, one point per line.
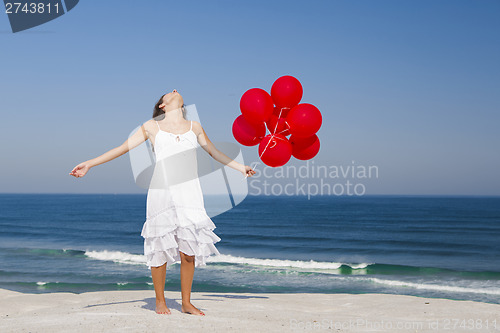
149	126
197	129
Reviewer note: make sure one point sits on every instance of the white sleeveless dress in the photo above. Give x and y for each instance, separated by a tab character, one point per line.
176	219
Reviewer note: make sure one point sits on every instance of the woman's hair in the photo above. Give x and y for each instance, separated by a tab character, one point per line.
159	114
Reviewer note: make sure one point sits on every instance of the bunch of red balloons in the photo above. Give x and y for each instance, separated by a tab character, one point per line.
283	116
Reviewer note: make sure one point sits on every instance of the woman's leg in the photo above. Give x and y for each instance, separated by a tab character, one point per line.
187	273
158	274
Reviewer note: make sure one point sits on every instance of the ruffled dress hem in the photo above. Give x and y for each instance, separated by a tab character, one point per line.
178	229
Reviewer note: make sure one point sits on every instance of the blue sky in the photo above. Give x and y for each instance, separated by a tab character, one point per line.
412	87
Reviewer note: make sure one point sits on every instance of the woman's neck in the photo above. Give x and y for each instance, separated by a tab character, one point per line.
173	115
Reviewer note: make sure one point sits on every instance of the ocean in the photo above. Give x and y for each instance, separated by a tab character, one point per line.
428	246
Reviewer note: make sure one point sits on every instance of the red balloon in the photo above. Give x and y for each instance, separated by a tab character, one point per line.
304	120
246	133
304	148
284	112
275	150
277	125
286	91
256	105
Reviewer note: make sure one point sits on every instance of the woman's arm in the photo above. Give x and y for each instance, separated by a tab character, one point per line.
136	139
219	156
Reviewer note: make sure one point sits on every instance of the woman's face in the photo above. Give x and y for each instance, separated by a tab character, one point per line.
172	98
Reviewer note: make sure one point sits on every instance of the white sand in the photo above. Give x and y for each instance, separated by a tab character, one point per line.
133	311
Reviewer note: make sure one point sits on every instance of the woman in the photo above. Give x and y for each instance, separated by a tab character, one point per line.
177	228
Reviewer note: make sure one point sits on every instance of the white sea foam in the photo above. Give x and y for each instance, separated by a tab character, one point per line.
311	264
117	256
136	259
324	267
436	287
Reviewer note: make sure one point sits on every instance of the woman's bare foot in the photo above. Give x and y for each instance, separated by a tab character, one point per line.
161	307
191	309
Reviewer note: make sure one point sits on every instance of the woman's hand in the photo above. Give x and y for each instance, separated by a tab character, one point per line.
80	170
248	171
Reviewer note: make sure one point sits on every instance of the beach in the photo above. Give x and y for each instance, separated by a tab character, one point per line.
370	264
134	311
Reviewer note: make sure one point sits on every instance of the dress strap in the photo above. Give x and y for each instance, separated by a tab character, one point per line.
158	125
191	126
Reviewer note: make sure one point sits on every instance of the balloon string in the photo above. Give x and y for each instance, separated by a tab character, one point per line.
271	139
246	176
287	124
286	129
277	137
267	145
277	121
265	124
273	135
